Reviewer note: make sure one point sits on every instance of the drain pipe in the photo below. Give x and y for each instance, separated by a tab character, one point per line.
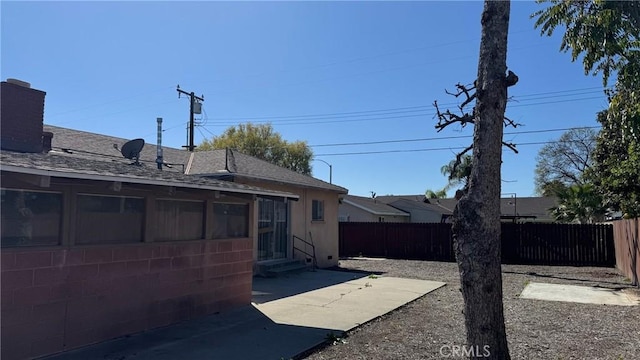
159	145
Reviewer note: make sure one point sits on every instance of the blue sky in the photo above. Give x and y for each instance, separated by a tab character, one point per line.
324	72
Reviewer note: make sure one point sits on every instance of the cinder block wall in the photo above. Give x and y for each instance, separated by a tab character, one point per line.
57	300
21	117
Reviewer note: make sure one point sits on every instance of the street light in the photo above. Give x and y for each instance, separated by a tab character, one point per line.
330	170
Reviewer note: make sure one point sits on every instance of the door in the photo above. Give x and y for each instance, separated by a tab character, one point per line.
273	226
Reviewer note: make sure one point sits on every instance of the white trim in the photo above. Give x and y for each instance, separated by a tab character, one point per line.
373	211
139	180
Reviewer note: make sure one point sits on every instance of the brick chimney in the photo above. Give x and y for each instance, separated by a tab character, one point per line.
21	117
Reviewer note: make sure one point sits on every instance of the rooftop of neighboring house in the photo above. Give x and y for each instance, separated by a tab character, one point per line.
373	206
409	205
524	207
213	163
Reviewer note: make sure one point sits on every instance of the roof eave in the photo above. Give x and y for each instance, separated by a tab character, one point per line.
140	180
374	211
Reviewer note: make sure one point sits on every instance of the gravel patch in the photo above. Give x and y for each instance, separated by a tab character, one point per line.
431	326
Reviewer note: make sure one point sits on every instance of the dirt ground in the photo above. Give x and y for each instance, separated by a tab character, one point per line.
432	326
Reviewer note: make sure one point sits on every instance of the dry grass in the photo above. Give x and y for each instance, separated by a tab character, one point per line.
535	329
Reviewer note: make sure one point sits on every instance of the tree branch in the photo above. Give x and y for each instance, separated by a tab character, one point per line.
511	146
509	122
466	90
447	118
459	160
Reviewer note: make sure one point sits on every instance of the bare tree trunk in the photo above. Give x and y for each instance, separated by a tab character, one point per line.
476	224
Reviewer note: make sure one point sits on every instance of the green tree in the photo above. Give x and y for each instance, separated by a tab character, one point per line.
606	34
457	172
616	170
565	160
552	188
264	143
438	194
578	203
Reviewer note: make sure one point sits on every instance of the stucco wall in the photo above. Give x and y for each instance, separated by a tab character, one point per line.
323	233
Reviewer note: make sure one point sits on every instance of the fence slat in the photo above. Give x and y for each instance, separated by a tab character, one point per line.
529	243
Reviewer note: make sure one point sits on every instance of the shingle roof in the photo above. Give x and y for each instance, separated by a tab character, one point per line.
373	206
389	198
216	162
97	146
407	205
518	206
528	206
60	165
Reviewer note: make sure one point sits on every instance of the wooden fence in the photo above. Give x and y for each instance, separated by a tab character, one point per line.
626	234
531	243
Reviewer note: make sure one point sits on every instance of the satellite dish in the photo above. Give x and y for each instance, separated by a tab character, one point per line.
131	150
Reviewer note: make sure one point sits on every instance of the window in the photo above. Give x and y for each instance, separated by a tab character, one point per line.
231	221
317	212
30	218
109	219
179	220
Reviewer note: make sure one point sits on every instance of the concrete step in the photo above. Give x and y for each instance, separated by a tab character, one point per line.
281	267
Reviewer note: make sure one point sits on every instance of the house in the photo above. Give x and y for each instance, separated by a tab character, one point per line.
519	209
422	212
365	209
516	209
391	209
95	247
285	229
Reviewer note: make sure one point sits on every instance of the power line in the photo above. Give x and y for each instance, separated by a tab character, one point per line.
434	139
429	149
398	109
449	137
340	120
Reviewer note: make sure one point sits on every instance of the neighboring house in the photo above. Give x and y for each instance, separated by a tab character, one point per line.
365	209
422	212
519	209
94	247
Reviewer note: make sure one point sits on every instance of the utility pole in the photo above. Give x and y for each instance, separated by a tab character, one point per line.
192	98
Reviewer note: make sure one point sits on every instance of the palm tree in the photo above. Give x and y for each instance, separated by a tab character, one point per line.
438	194
457	175
579	203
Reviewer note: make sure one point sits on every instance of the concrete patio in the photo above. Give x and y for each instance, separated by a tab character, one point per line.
289	316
